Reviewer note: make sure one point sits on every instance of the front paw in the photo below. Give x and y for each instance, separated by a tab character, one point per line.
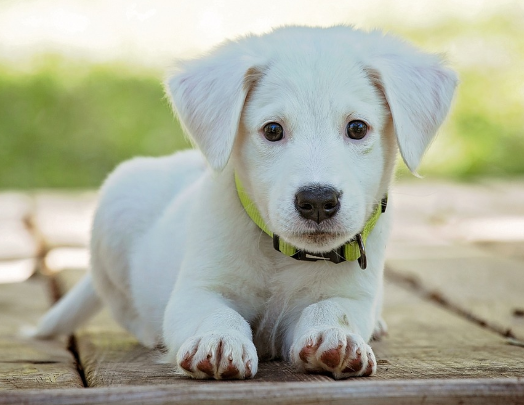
336	351
219	356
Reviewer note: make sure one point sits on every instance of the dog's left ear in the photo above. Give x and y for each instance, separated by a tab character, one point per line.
418	89
208	96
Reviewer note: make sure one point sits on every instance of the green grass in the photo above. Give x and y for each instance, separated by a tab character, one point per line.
63	124
484	134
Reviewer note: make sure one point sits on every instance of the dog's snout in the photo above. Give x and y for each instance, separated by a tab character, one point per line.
317	203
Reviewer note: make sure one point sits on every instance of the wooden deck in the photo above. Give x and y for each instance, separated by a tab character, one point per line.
454	307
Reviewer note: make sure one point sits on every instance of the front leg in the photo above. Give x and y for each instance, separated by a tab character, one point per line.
207	338
331	336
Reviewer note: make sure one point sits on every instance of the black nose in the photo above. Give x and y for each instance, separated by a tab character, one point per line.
317	203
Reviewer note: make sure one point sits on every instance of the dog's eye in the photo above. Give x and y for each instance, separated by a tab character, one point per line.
273	132
357	129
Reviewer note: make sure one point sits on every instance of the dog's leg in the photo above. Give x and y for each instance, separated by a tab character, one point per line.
381	330
329	338
207	338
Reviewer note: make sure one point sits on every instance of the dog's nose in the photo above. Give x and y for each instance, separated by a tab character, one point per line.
317	203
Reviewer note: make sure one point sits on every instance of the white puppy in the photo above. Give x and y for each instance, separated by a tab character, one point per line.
308	122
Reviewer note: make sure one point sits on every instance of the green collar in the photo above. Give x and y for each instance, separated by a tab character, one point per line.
352	250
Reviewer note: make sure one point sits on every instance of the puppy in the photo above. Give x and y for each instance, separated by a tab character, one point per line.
269	241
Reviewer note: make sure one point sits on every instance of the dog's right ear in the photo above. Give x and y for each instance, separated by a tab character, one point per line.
208	96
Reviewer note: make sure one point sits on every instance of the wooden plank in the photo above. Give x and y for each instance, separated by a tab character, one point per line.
462	244
425	342
14	271
15	206
358	391
26	363
117	359
110	356
70	258
18	247
435	213
438	201
505	249
64	219
16	242
489	288
424	212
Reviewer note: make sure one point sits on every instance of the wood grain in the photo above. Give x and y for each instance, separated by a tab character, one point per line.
18	247
489	287
428	341
456	242
425	342
16	242
64	219
112	357
27	363
359	391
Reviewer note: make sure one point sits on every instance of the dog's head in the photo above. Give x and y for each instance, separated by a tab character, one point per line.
311	119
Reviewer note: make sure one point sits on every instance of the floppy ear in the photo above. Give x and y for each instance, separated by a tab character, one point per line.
418	89
208	96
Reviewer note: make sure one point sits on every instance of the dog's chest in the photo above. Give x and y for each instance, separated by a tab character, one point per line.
287	292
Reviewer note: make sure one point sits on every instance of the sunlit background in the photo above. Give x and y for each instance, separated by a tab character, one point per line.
80	91
80	80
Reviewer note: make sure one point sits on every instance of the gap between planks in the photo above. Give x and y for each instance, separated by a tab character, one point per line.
415	285
57	293
425	342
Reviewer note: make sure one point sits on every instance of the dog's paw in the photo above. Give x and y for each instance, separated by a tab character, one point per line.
218	356
335	351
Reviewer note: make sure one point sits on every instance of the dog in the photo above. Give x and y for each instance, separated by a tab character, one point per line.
268	240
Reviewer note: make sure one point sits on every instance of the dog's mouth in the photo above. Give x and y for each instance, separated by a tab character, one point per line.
318	241
313	237
318	236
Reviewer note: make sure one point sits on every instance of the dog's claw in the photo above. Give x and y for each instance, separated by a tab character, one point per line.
248	369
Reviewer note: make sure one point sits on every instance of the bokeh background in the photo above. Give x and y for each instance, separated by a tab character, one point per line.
80	80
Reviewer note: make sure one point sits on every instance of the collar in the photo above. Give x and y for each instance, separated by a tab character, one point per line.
354	249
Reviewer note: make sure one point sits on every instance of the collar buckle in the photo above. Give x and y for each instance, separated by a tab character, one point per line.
362	260
384	203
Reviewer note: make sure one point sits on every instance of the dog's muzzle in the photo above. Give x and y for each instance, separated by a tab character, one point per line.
351	250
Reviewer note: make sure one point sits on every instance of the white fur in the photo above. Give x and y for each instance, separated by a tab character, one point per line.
178	261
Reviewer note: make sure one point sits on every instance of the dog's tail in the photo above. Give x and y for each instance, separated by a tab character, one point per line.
76	307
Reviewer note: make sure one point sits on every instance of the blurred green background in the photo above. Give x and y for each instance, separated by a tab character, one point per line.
67	123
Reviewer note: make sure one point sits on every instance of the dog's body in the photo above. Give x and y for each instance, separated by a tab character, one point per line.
178	260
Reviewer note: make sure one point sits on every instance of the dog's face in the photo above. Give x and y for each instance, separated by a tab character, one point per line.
312	147
313	118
